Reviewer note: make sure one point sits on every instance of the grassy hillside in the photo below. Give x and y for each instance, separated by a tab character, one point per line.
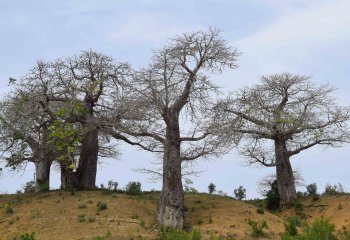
63	215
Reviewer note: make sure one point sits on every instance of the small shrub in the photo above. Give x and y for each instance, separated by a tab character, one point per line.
26	236
240	193
260	210
315	197
333	190
8	209
133	188
320	229
290	225
311	189
101	206
257	227
272	197
299	209
142	223
92	219
29	187
211	188
340	206
81	218
174	234
108	234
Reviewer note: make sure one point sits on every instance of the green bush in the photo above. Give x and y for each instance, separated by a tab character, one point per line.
320	229
108	234
240	193
211	188
8	208
311	189
174	234
29	187
333	190
133	188
257	227
26	236
272	197
260	210
101	206
290	225
299	209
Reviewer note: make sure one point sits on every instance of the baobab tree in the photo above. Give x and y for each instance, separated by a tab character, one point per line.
24	135
78	88
280	117
172	102
61	101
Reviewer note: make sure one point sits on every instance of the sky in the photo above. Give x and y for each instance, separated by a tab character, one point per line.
304	37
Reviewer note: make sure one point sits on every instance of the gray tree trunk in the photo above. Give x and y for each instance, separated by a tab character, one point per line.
170	205
42	173
284	173
87	167
69	179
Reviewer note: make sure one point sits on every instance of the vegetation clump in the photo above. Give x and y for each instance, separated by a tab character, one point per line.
133	188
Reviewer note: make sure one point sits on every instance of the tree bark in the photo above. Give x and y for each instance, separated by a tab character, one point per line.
69	179
170	205
87	167
284	173
42	175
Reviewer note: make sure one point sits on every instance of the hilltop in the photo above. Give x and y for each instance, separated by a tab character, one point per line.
74	215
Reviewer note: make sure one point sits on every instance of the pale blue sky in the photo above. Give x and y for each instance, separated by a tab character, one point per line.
308	37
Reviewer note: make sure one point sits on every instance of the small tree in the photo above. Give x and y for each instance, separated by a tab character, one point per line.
133	188
311	189
240	193
211	188
272	197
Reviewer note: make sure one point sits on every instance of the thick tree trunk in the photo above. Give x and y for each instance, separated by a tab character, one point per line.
42	174
285	178
87	167
69	179
170	205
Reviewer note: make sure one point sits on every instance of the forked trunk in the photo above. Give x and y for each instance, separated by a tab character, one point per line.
285	178
87	167
170	205
42	173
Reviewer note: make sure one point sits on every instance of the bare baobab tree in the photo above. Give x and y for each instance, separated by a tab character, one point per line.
173	98
24	135
280	117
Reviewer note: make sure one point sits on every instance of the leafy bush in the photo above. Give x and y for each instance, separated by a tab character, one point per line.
172	234
311	189
29	187
333	190
240	193
272	197
257	227
108	234
8	208
81	218
320	229
211	188
101	206
290	225
133	188
26	236
260	210
299	209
